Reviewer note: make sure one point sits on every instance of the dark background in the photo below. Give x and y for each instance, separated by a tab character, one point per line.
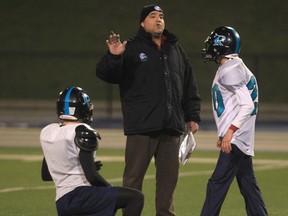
46	46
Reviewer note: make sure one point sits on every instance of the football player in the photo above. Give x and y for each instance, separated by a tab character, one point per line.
69	154
235	105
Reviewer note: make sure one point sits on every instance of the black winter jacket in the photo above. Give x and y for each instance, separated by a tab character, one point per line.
158	89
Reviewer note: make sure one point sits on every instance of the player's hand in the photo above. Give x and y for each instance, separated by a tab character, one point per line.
98	165
116	47
226	141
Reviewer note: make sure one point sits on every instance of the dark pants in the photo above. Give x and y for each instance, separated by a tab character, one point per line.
140	149
236	163
88	200
100	201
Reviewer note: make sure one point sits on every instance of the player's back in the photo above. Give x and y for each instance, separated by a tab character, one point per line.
61	154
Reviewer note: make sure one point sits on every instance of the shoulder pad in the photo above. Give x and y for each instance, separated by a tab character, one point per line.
86	138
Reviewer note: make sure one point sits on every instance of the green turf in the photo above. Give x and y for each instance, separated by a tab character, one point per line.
34	197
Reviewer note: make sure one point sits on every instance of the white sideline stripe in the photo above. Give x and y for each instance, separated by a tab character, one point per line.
148	177
261	164
32	158
113	180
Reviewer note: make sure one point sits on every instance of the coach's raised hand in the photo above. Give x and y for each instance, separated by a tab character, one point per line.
116	47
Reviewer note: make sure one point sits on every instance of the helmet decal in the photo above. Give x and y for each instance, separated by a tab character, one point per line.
66	105
85	98
219	40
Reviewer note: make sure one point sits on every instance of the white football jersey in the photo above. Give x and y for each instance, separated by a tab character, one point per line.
235	101
61	154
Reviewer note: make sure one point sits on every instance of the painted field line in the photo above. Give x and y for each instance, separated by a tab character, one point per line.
201	160
112	180
27	158
149	177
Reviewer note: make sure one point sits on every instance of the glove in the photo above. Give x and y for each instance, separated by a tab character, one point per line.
98	165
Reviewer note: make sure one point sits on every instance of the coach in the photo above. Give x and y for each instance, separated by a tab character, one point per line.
158	95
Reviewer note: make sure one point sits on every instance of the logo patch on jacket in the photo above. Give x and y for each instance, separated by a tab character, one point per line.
143	57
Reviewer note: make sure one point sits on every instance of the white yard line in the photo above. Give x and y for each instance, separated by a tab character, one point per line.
261	165
32	158
27	158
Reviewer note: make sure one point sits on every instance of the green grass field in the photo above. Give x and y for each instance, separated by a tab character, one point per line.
22	192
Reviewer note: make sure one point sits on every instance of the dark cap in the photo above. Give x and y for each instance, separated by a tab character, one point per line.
147	10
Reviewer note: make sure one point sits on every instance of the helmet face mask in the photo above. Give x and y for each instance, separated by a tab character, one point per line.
73	104
223	42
